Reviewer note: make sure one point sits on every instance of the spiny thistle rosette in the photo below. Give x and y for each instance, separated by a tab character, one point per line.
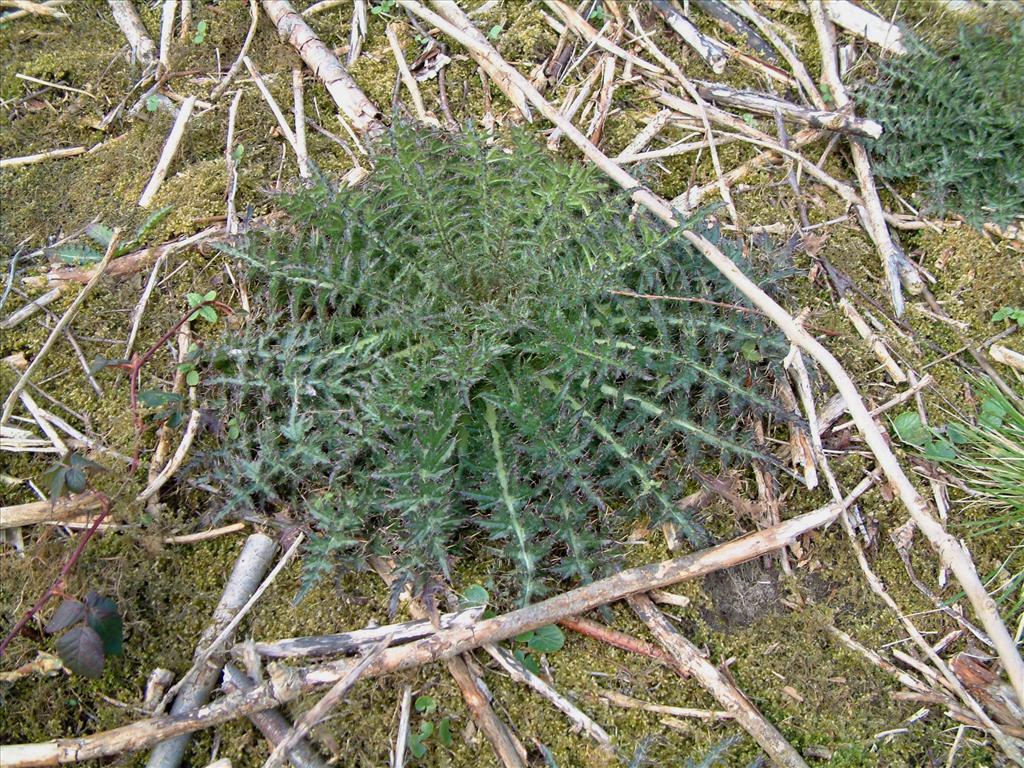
954	118
439	357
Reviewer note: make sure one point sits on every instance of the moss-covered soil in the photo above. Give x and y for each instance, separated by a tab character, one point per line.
770	630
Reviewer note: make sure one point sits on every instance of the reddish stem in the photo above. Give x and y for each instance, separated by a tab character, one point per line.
620	640
58	584
134	367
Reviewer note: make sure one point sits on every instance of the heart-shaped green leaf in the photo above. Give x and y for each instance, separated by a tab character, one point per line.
69	612
104	618
547	639
81	650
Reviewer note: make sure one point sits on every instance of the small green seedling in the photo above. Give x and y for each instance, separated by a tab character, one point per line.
1012	314
202	301
152	103
597	14
427	705
546	639
382	8
202	28
94	632
494	32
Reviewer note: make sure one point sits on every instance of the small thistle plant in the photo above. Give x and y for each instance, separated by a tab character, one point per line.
442	357
954	119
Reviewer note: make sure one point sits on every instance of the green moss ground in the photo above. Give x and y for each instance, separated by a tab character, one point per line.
168	592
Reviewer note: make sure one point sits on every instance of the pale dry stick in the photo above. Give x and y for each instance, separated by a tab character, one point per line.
604	101
232	165
358	640
212	533
44	424
874	342
74	434
360	26
214	645
167	155
950	551
450	12
674	150
407	79
31	308
323	5
1006	356
402	737
895	264
36	512
40	157
222	86
580	720
803	77
58	329
709	50
186	19
779	750
691	198
27	7
167	13
875	658
322	708
140	308
195	689
282	121
874	582
286	687
58	86
358	110
171	467
572	106
299	111
654	126
702	107
158	460
860	22
628	702
583	28
767	104
127	18
888	405
938	488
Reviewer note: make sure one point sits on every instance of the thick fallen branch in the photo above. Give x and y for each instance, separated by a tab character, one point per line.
127	18
766	104
252	563
952	553
358	641
44	511
855	19
709	50
359	111
287	684
272	724
718	685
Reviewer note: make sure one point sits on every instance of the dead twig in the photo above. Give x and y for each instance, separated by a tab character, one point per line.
169	151
63	323
725	692
320	710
